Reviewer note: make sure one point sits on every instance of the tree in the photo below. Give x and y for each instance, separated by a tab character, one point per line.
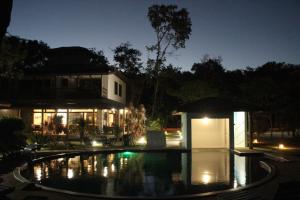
128	59
19	54
5	12
210	69
172	28
97	57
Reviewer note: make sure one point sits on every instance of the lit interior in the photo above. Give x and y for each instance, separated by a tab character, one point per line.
210	133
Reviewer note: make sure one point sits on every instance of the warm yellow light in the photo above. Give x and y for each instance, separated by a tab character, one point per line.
105	172
205	120
70	173
281	146
38	172
112	167
96	144
142	141
206	178
255	141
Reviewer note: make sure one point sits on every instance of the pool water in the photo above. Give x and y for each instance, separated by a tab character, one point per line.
155	174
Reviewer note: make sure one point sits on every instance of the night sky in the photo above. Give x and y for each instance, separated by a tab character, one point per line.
243	32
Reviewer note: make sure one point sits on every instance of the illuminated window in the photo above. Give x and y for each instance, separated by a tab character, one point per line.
37	118
37	110
80	110
61	110
48	118
50	110
64	118
110	119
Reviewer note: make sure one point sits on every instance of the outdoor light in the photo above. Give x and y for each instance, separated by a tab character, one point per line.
112	167
105	172
38	173
205	120
96	144
281	146
142	141
255	141
206	177
70	173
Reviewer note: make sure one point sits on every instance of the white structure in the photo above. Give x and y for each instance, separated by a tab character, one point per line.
213	123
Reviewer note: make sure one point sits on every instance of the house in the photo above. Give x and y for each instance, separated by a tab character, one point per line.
214	123
71	85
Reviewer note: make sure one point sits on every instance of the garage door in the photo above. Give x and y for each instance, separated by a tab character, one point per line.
210	133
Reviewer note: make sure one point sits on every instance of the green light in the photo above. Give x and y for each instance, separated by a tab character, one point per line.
127	154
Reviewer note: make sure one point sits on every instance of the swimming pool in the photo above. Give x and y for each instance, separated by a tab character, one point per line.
146	174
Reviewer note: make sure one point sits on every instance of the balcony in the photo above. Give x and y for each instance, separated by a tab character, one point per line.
50	93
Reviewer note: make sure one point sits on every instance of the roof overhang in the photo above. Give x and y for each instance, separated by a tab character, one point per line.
69	103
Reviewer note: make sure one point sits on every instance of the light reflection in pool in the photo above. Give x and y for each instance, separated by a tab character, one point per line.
147	174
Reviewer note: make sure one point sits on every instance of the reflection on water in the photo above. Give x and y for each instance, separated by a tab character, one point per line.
147	174
210	167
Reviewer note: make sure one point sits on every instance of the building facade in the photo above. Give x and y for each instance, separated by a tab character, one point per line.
68	91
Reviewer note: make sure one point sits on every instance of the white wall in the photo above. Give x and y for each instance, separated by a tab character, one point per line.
104	85
239	119
109	82
210	133
184	129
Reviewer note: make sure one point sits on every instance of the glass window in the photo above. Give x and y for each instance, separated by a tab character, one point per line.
64	118
89	118
37	118
73	118
116	88
80	110
37	110
50	110
120	90
48	118
110	119
61	110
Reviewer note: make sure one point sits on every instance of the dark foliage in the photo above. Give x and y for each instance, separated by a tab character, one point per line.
11	137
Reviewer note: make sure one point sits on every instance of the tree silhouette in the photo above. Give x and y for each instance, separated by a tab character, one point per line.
172	28
5	12
128	59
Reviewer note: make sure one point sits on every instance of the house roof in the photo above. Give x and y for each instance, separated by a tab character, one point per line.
215	105
74	69
73	61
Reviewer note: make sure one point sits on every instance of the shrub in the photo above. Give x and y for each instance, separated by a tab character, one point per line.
11	135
